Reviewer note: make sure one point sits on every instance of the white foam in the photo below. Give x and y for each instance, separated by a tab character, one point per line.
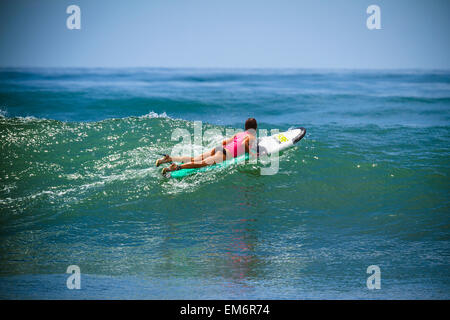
153	114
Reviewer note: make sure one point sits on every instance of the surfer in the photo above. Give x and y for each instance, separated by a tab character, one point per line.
231	148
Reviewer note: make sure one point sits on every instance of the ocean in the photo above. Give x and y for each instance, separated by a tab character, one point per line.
368	185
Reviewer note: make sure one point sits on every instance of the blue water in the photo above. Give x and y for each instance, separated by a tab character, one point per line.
368	185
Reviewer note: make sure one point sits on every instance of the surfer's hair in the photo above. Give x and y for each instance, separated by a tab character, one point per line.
251	124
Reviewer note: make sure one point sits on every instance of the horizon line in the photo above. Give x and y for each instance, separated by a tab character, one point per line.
232	68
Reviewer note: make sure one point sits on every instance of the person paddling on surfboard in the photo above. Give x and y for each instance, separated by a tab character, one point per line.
231	148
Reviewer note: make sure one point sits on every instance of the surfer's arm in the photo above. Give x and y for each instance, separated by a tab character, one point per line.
227	141
246	144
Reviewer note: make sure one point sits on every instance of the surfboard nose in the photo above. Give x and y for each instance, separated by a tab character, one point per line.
301	135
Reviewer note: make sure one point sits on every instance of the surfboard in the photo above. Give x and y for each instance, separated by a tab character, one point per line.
265	146
280	141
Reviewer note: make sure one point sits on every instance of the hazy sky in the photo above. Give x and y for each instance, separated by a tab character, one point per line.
225	33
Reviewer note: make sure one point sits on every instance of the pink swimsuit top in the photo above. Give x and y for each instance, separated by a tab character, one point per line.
235	147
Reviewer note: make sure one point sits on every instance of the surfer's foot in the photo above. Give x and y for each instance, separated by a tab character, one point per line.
164	159
172	167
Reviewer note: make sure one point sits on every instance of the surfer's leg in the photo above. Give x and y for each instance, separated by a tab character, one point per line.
198	158
164	159
216	158
203	156
181	159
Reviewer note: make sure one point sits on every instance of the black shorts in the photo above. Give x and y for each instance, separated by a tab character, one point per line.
221	149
